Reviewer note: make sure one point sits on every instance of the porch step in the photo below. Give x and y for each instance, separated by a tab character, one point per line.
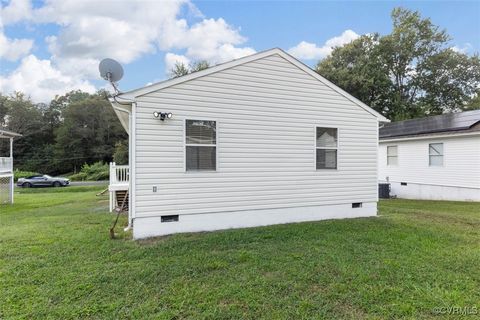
120	196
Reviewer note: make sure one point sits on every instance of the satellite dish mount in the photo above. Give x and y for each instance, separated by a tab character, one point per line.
111	71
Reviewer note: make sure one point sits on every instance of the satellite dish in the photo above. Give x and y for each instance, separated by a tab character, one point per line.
110	70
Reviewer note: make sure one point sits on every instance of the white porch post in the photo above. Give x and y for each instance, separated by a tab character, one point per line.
12	184
111	194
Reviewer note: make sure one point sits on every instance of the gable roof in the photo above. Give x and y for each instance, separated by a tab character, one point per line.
167	83
442	123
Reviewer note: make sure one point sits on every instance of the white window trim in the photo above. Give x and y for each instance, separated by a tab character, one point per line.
315	148
185	145
389	164
429	155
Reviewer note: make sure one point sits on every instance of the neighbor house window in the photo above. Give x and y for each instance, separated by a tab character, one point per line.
435	154
326	148
392	155
200	145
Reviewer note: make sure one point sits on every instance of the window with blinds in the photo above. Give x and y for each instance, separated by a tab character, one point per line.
200	145
326	148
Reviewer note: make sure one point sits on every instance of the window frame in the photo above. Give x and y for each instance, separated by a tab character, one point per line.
185	145
430	155
331	148
396	156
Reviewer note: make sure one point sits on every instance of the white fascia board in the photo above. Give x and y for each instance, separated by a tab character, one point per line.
430	136
123	112
168	83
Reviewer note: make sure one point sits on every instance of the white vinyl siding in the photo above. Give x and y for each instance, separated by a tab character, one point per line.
265	112
392	155
461	162
435	154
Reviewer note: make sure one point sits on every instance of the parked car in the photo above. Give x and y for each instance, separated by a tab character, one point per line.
42	181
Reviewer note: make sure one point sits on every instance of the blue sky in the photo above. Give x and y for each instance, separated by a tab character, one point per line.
47	48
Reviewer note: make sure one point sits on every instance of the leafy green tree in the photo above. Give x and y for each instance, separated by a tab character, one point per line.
88	133
180	69
199	65
23	117
357	68
120	156
408	73
474	102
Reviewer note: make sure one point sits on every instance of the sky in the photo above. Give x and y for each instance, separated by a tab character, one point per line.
50	47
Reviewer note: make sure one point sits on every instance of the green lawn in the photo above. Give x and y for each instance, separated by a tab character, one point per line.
56	261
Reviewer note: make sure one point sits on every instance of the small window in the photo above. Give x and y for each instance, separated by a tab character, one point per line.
326	148
392	155
200	145
435	154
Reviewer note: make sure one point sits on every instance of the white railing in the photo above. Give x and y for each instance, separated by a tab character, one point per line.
119	174
6	164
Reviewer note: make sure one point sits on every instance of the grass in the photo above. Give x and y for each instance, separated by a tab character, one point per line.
56	261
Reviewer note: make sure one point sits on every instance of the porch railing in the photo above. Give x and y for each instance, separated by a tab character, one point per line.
6	164
119	174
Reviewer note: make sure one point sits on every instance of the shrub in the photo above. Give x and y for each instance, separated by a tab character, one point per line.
92	172
17	174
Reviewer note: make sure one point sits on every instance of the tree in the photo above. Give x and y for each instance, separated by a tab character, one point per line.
474	102
23	117
356	67
180	69
408	73
88	133
199	65
120	156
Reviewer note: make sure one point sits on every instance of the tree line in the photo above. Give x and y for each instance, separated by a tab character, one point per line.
61	136
411	72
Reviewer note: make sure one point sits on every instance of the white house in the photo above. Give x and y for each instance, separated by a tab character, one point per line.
6	169
436	158
256	141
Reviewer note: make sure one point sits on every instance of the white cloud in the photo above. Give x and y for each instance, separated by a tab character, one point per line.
14	49
310	51
15	11
40	80
462	49
123	30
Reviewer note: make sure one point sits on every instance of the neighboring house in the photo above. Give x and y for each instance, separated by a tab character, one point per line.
256	141
6	169
435	158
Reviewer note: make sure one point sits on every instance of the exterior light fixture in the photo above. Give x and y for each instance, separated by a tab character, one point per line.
162	115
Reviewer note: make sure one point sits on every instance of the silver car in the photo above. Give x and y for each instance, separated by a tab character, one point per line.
42	181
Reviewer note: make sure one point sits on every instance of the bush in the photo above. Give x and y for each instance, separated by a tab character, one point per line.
92	172
17	174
